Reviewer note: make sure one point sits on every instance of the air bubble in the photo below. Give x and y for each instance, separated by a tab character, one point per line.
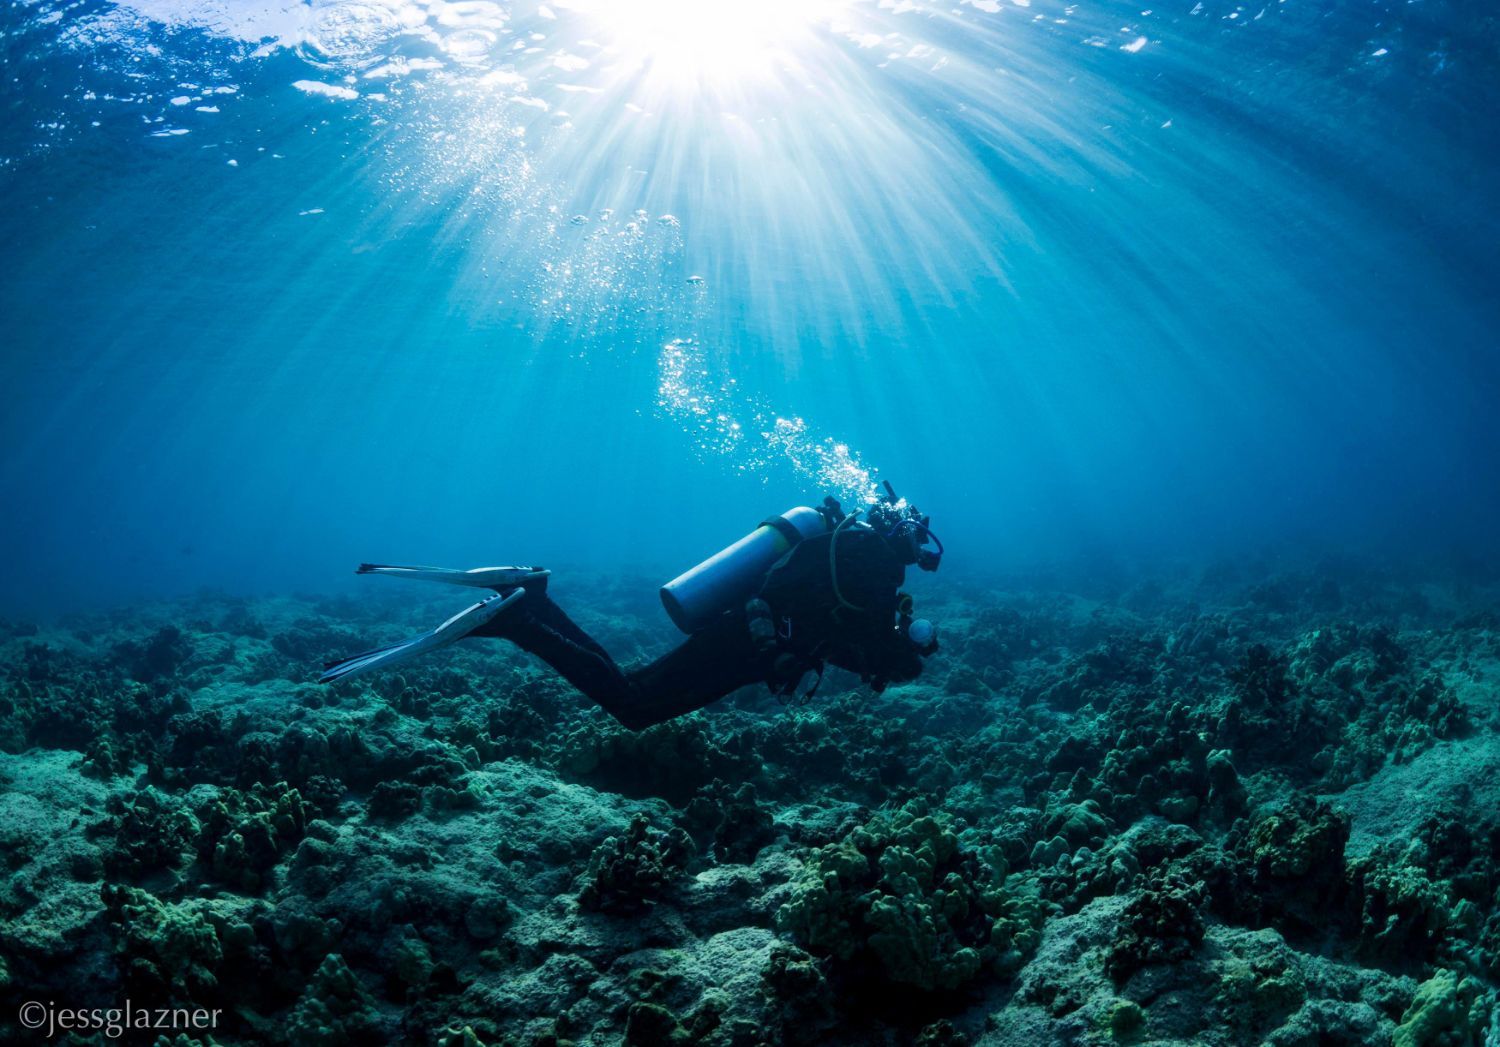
347	35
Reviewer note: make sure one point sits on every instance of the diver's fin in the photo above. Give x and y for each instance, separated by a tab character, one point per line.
480	577
451	631
381	656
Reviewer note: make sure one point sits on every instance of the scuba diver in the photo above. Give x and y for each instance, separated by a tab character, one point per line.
806	589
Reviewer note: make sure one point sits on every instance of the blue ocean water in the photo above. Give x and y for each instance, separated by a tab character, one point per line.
292	285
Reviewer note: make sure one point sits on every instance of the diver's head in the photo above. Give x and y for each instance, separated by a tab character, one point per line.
905	530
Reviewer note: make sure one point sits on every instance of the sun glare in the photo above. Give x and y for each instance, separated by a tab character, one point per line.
704	41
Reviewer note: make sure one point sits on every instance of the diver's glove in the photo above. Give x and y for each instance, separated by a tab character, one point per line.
786	672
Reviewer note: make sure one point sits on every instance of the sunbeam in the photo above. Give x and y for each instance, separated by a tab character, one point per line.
682	45
1015	244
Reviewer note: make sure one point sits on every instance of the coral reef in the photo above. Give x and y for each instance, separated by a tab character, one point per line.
900	900
629	872
1231	806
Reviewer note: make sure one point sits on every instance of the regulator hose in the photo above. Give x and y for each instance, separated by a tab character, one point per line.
914	525
833	563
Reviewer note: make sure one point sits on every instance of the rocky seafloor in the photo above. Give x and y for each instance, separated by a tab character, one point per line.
1242	805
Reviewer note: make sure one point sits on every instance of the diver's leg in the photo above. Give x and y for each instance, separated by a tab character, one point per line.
554	617
540	627
537	610
710	664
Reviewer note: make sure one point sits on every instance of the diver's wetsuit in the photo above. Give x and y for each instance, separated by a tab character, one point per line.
851	624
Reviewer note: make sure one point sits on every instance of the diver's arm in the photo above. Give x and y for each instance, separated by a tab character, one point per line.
880	654
895	660
874	576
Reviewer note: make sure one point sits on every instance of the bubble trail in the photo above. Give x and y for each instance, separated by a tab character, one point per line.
748	432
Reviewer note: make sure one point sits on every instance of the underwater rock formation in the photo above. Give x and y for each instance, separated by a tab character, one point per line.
900	900
629	872
1187	811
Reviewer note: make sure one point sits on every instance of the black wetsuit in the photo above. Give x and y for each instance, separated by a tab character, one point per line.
855	628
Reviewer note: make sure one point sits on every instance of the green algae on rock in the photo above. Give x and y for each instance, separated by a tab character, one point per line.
900	897
1189	815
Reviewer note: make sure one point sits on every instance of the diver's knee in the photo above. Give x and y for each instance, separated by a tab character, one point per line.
634	716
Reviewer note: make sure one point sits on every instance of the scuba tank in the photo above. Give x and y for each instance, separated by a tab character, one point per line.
731	576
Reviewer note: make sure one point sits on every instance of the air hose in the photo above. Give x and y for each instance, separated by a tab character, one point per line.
833	563
914	525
